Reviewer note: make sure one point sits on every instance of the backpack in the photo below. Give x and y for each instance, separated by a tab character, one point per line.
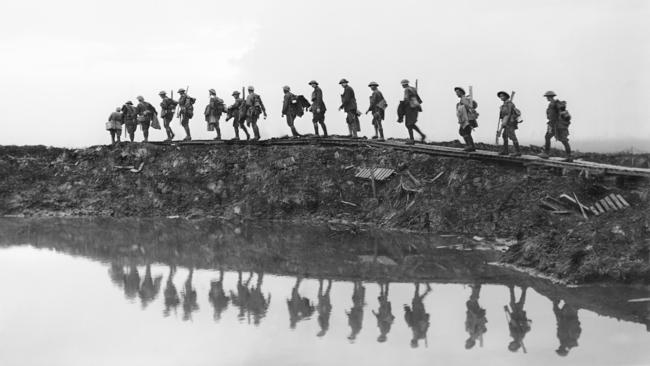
564	114
472	114
516	115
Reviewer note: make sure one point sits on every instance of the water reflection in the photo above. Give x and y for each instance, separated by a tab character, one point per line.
355	314
300	307
475	320
417	317
171	294
568	327
218	297
384	314
518	322
324	306
189	296
250	299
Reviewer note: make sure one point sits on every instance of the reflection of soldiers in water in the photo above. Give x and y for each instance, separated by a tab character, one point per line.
324	307
384	314
568	327
241	299
258	305
218	297
116	273
132	282
475	319
300	308
417	317
150	287
189	297
518	322
355	315
171	295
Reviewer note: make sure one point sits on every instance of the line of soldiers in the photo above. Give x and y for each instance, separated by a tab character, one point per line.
253	305
245	112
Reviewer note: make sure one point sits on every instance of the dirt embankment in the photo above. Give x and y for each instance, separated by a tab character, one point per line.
311	183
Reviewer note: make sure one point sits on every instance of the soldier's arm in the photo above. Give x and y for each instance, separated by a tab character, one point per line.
262	106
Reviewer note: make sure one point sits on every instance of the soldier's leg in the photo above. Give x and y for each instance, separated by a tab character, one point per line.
410	130
504	135
118	135
564	138
515	142
322	124
315	121
216	127
422	135
242	125
235	126
112	132
256	130
380	128
145	130
185	122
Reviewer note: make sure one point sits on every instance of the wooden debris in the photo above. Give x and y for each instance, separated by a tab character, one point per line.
379	174
623	201
139	168
349	203
611	203
582	208
616	201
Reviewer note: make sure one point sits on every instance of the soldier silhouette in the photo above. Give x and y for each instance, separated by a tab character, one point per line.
258	304
150	287
568	327
300	307
475	319
384	314
218	297
416	316
324	307
355	315
242	297
171	294
518	322
189	297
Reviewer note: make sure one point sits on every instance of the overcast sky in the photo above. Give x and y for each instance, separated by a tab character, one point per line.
67	64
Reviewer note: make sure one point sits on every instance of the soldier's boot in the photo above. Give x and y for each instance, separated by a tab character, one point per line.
504	150
381	134
567	148
218	134
470	144
324	130
517	152
316	129
376	136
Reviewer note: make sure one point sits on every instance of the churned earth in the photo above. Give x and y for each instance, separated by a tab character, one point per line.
430	194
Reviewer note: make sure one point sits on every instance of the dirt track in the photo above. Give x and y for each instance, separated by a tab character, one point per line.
317	184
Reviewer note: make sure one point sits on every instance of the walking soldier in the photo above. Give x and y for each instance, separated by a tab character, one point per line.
235	112
318	108
290	109
467	115
349	106
186	112
167	108
145	112
253	108
509	115
558	125
408	109
129	118
213	112
114	125
377	108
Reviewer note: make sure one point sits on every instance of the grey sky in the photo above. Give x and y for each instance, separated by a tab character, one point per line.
66	65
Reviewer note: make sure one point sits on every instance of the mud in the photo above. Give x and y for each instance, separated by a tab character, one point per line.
242	183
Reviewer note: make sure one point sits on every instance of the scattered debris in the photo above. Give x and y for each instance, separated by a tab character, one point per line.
285	163
139	168
643	299
349	203
478	238
379	174
382	259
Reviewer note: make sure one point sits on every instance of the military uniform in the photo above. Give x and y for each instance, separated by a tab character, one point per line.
253	108
186	112
318	108
509	125
290	110
377	108
349	106
235	111
167	108
409	109
114	125
213	112
557	126
130	121
145	113
466	113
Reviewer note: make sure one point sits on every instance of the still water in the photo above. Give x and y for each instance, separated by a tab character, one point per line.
68	309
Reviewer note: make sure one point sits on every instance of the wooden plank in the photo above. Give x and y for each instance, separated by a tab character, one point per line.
594	211
606	205
610	203
620	198
615	200
599	207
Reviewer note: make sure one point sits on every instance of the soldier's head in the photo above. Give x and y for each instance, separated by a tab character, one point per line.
235	94
470	343
140	98
373	85
343	82
212	92
562	351
405	83
128	102
503	95
251	89
514	346
382	338
550	95
181	91
286	89
162	94
460	92
313	84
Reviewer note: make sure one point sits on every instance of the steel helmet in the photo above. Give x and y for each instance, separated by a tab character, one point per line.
550	93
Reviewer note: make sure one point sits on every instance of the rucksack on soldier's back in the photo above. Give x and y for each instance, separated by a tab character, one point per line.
564	113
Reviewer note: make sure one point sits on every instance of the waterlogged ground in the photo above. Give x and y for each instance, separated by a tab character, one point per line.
101	301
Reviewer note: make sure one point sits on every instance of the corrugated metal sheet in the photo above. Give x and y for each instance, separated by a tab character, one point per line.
376	173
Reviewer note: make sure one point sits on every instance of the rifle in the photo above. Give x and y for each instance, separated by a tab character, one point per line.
500	126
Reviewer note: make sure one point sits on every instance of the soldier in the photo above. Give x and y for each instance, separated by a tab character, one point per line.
558	125
349	106
408	109
508	115
114	125
129	116
416	316
568	326
466	113
167	108
355	314
318	108
238	118
290	109
145	111
186	112
384	314
253	107
475	319
213	112
518	321
377	107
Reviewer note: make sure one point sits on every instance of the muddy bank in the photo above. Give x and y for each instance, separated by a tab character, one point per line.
311	183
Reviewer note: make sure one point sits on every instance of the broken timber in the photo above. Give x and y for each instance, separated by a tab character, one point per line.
491	156
375	174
